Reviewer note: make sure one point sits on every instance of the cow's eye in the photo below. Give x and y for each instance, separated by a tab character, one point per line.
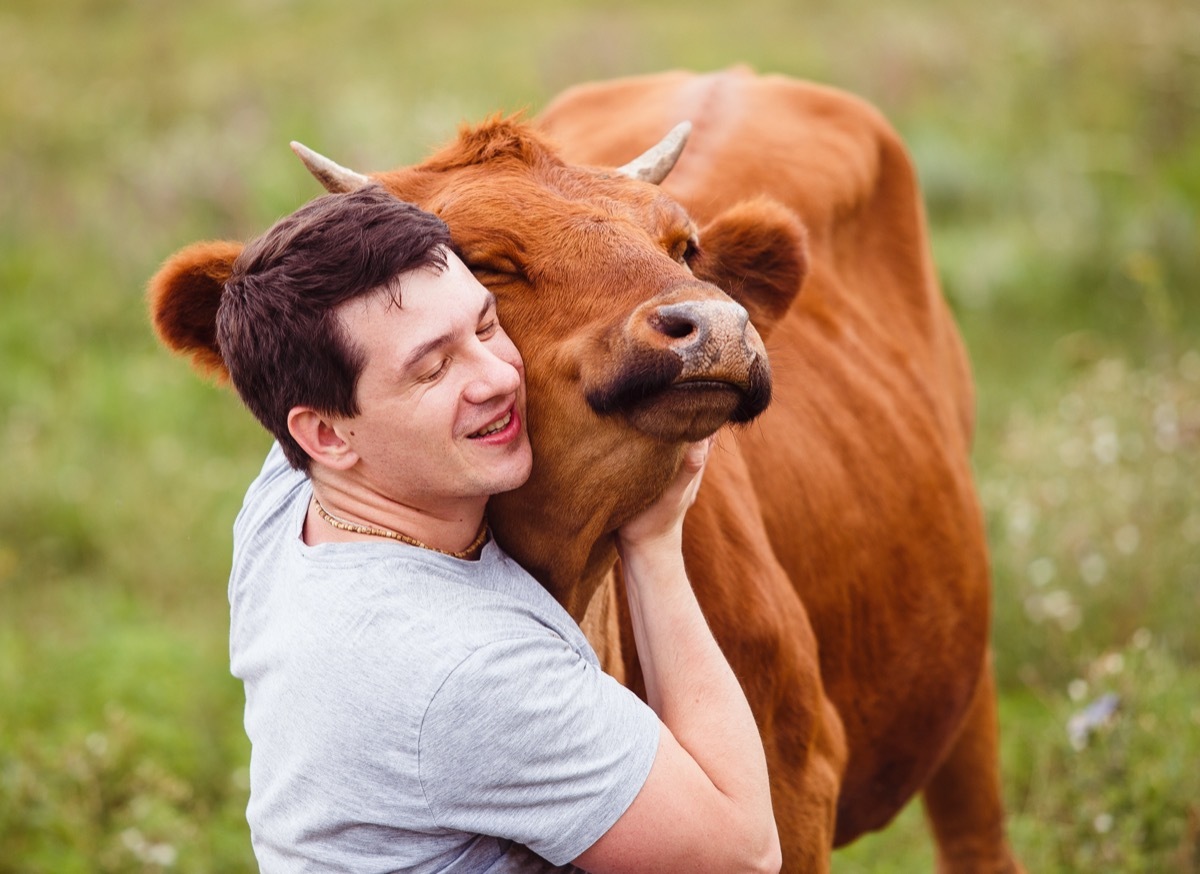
686	251
486	278
491	269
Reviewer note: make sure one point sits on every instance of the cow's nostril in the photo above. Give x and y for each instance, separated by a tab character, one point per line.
675	327
677	321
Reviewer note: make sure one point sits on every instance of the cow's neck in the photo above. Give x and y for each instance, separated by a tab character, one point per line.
569	554
561	525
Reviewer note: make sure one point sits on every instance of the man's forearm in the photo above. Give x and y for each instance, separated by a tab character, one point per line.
690	685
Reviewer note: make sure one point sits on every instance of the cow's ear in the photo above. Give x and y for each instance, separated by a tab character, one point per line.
757	252
183	297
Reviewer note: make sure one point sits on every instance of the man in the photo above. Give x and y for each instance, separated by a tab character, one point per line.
414	700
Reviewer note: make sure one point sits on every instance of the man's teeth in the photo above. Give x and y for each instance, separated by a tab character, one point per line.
498	425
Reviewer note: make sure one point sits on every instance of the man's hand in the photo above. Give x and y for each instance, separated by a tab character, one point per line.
661	524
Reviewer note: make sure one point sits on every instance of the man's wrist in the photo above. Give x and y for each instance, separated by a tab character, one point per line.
654	561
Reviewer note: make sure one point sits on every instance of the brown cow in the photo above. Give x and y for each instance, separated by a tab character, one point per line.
836	546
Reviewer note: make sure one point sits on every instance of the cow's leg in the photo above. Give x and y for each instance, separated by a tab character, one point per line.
805	798
963	799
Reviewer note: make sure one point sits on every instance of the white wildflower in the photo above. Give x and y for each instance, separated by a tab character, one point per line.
161	854
1166	427
1106	447
1113	663
1127	539
133	840
1021	518
1042	571
1058	606
1093	568
1105	443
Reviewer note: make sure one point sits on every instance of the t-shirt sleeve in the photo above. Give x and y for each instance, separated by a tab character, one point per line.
526	740
267	493
275	468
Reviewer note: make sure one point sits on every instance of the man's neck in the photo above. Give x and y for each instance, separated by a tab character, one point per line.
345	511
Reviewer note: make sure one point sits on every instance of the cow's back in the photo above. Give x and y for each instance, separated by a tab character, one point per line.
860	465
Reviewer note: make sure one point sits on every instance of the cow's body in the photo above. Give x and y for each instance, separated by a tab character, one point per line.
836	546
860	464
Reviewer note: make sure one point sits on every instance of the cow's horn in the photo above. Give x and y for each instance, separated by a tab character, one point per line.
336	178
654	165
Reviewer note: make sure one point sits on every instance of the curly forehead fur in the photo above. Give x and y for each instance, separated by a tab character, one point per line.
499	138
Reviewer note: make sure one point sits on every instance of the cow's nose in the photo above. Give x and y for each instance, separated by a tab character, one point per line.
694	325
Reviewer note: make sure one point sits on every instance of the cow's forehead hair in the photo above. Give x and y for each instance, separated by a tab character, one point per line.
533	209
497	138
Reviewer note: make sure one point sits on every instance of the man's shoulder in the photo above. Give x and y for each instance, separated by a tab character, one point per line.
275	482
466	608
409	607
493	599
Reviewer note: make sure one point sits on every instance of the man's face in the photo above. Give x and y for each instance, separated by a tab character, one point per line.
442	394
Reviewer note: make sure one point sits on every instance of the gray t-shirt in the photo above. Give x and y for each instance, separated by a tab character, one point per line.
411	711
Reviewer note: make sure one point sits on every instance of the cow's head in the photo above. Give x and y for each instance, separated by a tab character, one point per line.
640	332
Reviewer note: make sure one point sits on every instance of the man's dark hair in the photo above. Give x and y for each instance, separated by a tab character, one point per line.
276	326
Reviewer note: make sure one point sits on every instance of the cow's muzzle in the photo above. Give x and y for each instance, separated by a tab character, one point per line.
684	368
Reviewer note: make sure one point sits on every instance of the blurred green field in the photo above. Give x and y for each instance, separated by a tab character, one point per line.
1059	148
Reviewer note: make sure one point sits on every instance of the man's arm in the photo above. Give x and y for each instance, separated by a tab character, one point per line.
706	805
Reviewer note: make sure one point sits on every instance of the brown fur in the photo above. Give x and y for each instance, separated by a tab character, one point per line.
183	297
836	546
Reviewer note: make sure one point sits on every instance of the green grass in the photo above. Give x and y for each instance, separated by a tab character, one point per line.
1059	150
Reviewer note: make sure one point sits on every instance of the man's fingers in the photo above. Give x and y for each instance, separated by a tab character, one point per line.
696	455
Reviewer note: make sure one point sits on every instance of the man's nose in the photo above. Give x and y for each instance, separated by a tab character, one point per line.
494	376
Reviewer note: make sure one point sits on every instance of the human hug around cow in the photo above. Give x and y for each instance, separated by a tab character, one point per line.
414	700
499	598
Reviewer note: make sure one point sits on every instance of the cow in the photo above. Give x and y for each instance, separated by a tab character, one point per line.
837	546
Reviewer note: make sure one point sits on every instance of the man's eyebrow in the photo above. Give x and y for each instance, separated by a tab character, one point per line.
489	301
414	357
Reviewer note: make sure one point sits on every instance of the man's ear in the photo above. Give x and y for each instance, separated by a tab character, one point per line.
321	438
757	253
183	297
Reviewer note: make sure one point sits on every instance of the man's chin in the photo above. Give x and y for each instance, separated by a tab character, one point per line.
515	475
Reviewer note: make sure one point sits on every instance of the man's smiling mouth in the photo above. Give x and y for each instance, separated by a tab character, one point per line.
498	425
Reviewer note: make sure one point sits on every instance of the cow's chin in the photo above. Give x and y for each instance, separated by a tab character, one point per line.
687	412
660	400
694	409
